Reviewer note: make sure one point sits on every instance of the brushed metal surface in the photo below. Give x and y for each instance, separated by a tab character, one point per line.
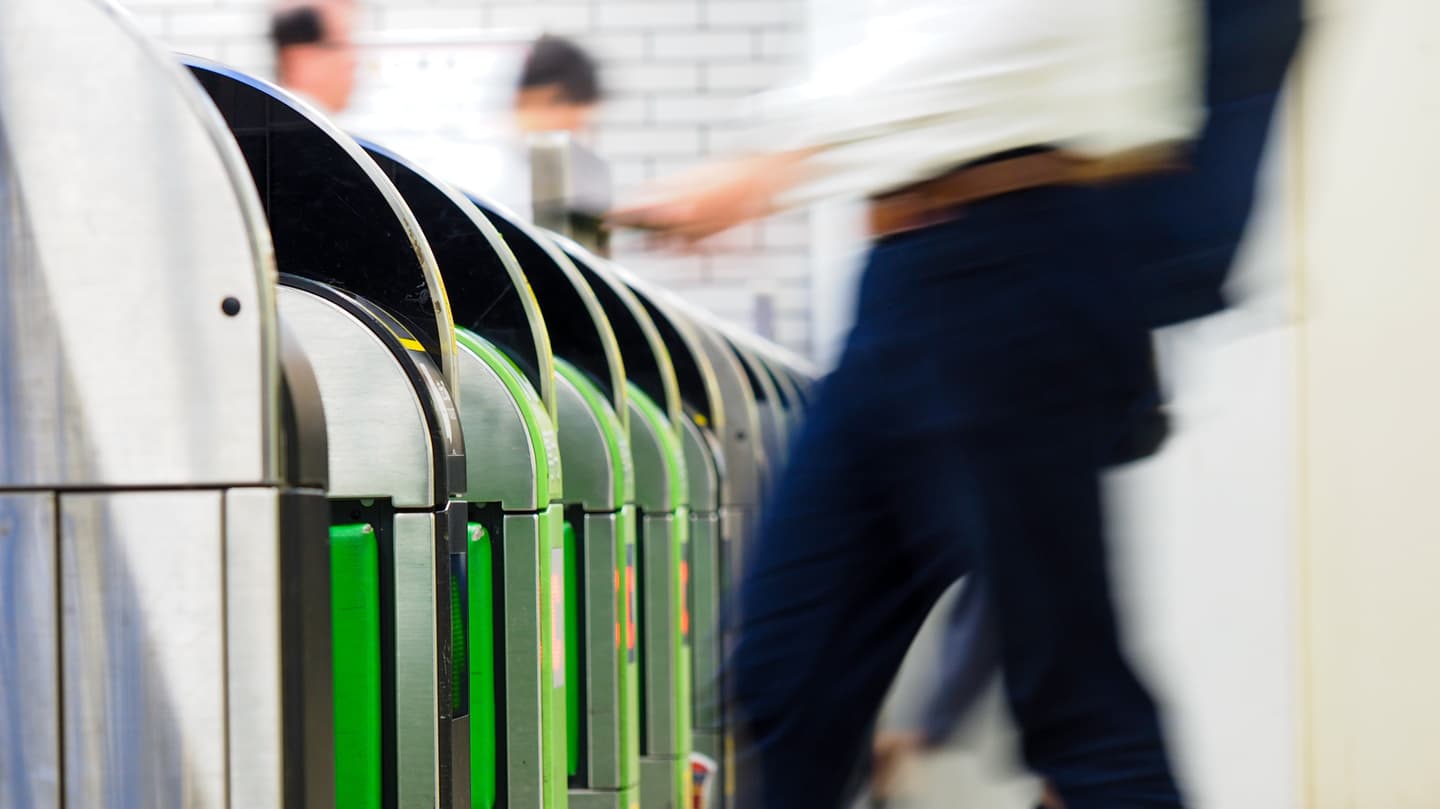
773	433
661	782
253	648
653	489
605	652
118	184
29	652
658	615
704	472
379	443
279	698
741	435
705	605
597	799
500	460
420	704
142	649
524	675
590	475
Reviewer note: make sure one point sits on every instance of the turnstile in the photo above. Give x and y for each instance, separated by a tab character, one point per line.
498	639
703	413
662	499
603	649
361	289
162	449
517	685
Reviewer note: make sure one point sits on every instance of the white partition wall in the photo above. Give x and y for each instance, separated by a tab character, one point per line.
1370	395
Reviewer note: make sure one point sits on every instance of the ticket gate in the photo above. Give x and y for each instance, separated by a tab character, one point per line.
734	424
703	406
162	517
497	639
662	500
602	646
510	400
361	290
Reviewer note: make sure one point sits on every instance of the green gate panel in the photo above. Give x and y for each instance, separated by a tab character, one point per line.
480	583
355	630
573	684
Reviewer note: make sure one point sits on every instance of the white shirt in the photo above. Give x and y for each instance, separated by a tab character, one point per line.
934	85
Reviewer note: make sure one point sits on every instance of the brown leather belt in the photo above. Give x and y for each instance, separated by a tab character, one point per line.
943	198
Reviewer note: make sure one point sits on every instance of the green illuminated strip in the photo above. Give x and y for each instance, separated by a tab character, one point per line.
355	630
483	760
573	683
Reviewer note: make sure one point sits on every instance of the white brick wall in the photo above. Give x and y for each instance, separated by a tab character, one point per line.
678	72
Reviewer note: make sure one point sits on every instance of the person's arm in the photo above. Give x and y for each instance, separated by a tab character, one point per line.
953	82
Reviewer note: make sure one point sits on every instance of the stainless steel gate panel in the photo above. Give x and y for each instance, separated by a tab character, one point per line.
599	469
117	183
600	479
372	410
142	595
503	460
772	412
661	551
527	680
607	649
29	652
274	540
416	579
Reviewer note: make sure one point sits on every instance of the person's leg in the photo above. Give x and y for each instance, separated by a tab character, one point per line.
1028	361
1045	361
977	392
1088	725
835	588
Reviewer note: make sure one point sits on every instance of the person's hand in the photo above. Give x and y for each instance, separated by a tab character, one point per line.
693	206
892	751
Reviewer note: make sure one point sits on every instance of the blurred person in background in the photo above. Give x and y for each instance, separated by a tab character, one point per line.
558	89
559	93
1047	182
553	88
314	53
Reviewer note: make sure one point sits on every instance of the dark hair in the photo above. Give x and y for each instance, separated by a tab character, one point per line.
558	62
296	26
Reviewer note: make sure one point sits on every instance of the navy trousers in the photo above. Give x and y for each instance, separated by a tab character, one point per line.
993	362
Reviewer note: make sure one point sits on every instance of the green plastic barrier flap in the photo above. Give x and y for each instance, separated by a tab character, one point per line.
481	629
355	630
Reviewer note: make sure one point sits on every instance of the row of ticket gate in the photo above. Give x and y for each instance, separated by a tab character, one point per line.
323	484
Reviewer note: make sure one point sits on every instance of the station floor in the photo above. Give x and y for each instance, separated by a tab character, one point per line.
979	767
